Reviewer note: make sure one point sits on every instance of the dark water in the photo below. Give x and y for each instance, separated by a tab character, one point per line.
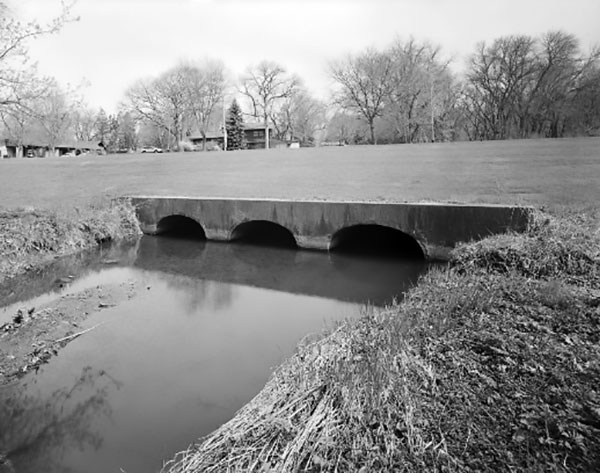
200	339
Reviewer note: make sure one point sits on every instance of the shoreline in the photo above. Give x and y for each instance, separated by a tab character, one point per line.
31	240
492	364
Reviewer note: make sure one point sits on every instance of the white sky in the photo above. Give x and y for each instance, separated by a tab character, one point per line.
117	42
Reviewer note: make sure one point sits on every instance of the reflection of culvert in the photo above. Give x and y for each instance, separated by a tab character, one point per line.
264	233
181	227
280	260
375	240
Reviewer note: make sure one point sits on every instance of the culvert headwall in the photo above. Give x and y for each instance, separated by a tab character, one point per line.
436	228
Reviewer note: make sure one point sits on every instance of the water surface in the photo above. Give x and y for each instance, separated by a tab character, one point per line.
200	339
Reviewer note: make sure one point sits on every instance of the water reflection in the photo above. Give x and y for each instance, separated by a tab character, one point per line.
37	429
335	276
42	285
196	294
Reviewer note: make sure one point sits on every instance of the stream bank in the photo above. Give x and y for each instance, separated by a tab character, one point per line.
30	240
491	364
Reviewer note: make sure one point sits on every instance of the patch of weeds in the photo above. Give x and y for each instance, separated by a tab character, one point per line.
555	295
565	249
30	237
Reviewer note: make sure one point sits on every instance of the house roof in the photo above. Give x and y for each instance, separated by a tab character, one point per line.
26	143
255	126
95	145
216	134
92	145
210	135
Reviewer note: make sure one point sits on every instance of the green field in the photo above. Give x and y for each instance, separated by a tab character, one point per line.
551	173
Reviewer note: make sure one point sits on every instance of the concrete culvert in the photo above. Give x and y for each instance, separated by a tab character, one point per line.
264	233
181	227
376	240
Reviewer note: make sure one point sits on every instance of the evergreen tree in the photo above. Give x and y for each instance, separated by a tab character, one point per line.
126	135
234	126
102	126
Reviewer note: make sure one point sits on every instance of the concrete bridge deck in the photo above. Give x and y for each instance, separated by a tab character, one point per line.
323	225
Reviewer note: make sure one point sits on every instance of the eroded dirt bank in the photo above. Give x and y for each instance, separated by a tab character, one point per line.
29	241
35	334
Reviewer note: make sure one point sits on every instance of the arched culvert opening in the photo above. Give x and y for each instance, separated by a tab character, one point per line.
375	240
180	227
264	233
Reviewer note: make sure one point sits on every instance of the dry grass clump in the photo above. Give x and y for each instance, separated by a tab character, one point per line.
28	237
567	248
343	401
483	367
517	364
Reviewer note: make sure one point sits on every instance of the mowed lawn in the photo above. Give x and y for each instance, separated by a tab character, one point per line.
549	173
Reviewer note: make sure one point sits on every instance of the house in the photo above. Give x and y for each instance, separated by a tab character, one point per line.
214	141
255	137
253	132
79	147
34	149
31	149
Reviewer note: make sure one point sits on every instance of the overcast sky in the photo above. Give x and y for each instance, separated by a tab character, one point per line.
116	42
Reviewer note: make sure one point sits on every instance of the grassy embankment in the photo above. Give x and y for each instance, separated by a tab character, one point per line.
32	238
492	364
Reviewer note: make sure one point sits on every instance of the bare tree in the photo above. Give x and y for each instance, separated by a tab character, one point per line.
266	86
422	91
519	85
85	124
204	86
179	100
18	121
300	117
499	77
161	101
343	127
365	82
16	70
55	113
585	115
563	75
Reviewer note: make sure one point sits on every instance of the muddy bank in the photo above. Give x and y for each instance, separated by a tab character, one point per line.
32	240
35	334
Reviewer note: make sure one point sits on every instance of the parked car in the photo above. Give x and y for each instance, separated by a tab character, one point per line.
151	149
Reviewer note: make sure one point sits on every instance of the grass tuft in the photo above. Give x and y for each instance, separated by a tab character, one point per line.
565	248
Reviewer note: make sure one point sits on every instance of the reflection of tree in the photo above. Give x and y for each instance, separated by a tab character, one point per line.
201	293
35	433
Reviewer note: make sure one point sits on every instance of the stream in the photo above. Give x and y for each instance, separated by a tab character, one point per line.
209	323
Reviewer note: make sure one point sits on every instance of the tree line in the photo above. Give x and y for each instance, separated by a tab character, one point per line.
517	86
